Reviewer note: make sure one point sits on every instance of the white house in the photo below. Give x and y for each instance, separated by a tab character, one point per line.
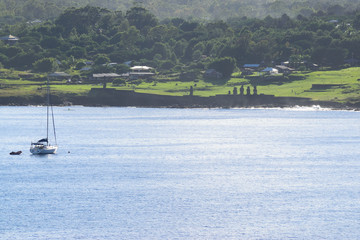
270	70
141	69
9	39
141	72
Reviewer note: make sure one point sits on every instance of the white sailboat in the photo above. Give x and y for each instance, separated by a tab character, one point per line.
43	146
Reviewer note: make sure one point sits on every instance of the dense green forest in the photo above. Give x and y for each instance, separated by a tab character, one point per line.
173	45
18	10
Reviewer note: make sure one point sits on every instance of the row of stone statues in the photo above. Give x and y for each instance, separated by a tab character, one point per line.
235	91
241	91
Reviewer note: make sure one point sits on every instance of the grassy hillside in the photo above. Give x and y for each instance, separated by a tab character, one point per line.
348	91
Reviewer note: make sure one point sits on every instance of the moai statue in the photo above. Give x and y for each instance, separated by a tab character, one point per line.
248	91
242	90
255	90
235	91
191	91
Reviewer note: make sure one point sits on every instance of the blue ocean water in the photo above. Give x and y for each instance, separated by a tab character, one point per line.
143	173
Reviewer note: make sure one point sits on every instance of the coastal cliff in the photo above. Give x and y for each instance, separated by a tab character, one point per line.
113	97
127	98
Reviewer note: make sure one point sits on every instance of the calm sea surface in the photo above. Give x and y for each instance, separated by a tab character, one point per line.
135	173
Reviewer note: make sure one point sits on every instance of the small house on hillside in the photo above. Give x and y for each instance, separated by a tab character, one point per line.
251	66
105	77
212	73
284	69
10	39
143	69
141	72
34	22
270	70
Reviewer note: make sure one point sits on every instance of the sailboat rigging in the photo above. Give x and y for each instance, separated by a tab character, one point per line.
42	146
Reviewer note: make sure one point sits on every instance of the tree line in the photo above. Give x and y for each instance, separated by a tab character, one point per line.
170	45
20	10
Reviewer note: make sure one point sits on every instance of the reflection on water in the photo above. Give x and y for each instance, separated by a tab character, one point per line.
130	173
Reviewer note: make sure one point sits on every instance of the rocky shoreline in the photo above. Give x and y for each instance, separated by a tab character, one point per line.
123	98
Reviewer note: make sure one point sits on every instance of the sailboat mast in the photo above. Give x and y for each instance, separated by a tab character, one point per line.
47	110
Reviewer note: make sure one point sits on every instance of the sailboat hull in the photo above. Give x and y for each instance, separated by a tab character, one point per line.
43	149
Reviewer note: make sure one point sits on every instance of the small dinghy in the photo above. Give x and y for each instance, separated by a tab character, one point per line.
16	153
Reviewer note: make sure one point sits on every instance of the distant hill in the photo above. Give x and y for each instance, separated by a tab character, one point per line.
18	10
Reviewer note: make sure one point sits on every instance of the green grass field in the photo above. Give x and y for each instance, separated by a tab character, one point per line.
349	91
296	88
302	88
